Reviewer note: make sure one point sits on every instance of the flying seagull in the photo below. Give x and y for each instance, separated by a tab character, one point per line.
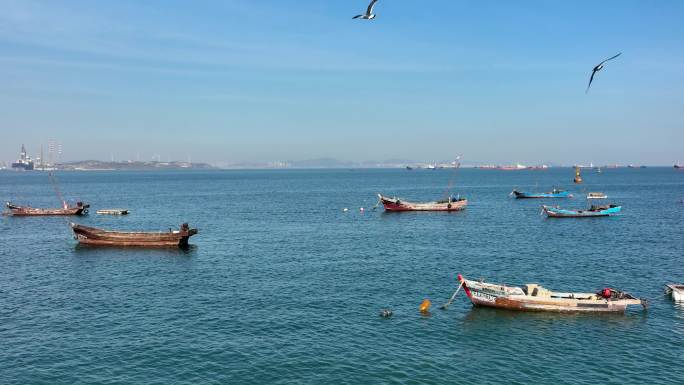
598	68
369	12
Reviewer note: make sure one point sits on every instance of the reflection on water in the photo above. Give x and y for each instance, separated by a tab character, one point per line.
487	317
90	250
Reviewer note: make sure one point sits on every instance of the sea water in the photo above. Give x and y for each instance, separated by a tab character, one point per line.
282	285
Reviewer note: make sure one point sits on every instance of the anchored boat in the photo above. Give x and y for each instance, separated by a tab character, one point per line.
533	297
676	291
26	211
98	237
112	212
450	204
555	193
596	195
593	211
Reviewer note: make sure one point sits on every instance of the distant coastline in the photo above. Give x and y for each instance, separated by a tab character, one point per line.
96	165
323	163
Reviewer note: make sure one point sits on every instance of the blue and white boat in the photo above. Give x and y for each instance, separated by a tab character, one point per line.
555	193
593	211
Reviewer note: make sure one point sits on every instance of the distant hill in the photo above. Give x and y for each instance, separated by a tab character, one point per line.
131	165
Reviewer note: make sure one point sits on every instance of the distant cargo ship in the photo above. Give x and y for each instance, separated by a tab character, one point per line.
24	162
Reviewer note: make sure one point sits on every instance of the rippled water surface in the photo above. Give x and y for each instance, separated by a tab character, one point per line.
282	286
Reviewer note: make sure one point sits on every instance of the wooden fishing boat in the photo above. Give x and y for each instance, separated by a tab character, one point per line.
533	297
450	204
112	212
25	211
676	291
593	211
555	193
596	195
98	237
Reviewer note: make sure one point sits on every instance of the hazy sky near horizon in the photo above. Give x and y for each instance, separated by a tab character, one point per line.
245	80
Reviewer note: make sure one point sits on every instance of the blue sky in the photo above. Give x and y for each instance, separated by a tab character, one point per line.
229	81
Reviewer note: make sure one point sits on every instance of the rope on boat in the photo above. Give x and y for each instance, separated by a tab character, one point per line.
377	204
446	305
447	193
53	182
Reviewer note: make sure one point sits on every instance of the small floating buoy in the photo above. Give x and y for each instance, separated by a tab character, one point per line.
425	306
386	313
345	209
361	209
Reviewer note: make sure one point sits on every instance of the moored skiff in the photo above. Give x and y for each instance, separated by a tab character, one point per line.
98	237
596	195
26	211
555	193
593	211
112	212
532	297
396	204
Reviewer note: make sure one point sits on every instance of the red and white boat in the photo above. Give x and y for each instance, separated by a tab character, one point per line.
533	297
450	204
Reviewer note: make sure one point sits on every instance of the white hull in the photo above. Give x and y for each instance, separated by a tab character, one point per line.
536	298
677	292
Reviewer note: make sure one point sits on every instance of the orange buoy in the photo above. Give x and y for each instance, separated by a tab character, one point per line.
578	177
425	306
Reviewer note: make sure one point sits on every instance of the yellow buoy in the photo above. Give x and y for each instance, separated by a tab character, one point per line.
578	177
425	306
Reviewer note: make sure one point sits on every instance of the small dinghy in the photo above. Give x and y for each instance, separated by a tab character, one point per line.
112	212
532	297
676	291
450	204
27	211
593	211
555	193
98	237
596	195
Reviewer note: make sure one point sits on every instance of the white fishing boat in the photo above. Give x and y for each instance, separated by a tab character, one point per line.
676	291
113	212
533	297
596	195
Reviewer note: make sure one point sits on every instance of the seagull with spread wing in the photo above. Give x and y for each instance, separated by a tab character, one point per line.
369	15
598	68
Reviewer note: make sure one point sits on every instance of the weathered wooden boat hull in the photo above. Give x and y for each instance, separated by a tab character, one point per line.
98	237
22	211
514	298
524	195
553	212
397	205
